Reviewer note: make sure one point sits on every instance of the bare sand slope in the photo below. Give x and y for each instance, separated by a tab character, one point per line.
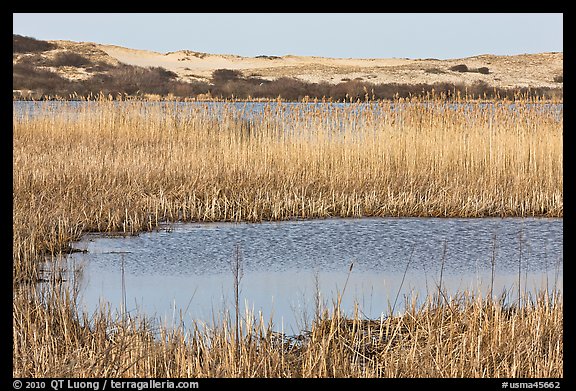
525	70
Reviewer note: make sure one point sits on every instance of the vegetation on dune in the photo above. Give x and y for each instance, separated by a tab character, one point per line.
137	81
22	44
35	76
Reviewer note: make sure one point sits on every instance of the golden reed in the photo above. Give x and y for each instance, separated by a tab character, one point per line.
126	166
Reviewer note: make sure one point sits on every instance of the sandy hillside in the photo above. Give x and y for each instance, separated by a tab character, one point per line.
526	70
535	70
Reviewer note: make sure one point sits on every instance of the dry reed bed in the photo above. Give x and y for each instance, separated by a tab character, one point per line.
127	166
462	336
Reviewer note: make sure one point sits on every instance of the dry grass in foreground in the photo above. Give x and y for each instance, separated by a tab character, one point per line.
463	336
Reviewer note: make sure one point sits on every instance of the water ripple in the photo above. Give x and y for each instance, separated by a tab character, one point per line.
374	245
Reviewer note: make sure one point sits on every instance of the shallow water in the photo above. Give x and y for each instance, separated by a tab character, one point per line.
275	109
184	273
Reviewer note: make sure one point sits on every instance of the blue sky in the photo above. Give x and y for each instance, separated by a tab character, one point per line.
355	35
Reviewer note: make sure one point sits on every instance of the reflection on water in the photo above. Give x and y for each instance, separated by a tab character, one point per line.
280	110
184	273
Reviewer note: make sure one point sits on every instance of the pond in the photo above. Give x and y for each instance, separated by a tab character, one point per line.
182	273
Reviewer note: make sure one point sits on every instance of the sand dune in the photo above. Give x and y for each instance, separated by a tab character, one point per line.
526	70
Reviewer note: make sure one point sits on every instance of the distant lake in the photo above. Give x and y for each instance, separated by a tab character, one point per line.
277	109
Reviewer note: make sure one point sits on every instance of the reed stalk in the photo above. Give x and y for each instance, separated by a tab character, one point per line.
126	167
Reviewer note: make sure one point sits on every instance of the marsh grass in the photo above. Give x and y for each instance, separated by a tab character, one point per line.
127	166
460	336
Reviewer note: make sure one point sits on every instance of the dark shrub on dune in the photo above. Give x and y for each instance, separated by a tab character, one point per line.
22	44
459	68
69	59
